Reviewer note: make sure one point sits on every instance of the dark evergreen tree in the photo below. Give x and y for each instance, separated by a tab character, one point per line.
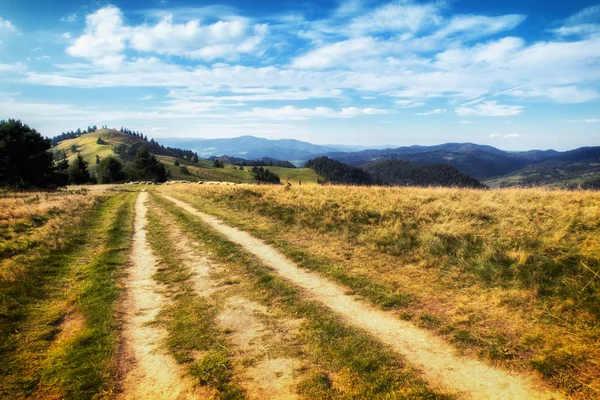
78	171
110	170
176	163
24	157
146	167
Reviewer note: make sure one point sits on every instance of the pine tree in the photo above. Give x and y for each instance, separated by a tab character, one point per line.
78	171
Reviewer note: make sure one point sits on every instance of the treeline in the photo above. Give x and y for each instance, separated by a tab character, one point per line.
25	161
73	134
338	172
403	173
262	175
260	162
391	173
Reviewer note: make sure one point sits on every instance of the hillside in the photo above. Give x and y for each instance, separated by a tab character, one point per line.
558	174
402	173
88	147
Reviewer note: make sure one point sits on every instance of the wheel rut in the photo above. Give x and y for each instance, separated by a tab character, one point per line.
148	371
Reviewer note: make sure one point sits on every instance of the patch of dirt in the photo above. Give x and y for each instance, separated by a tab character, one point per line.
438	361
148	371
71	324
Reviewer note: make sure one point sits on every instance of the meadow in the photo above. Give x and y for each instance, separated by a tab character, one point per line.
504	278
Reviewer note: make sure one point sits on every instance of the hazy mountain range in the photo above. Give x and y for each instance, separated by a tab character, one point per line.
479	161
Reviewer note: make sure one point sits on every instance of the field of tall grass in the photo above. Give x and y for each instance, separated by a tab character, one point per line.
510	276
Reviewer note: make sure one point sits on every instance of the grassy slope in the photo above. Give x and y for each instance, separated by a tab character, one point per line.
509	276
203	170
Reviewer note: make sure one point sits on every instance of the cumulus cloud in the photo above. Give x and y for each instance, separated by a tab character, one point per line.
489	109
106	34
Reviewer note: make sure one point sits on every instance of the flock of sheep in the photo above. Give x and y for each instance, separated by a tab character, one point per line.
179	182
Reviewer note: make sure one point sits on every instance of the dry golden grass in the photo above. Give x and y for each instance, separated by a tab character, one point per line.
30	219
510	276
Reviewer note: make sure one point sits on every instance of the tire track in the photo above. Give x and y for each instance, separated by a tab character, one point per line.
148	371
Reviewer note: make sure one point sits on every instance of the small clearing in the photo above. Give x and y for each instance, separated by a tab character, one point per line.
437	360
148	371
269	376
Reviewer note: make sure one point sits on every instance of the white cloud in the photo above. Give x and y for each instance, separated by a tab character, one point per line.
507	136
158	128
393	17
560	94
583	23
195	40
489	109
479	25
69	18
409	103
106	34
7	26
295	113
339	53
433	112
592	120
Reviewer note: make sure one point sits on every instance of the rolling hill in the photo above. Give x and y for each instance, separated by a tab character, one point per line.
89	146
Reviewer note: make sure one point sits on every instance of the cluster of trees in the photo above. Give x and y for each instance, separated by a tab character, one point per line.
136	134
185	154
218	164
403	173
25	161
262	175
338	172
72	134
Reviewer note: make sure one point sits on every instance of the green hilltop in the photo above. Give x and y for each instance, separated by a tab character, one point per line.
110	142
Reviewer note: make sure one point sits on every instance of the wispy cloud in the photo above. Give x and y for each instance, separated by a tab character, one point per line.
433	112
489	109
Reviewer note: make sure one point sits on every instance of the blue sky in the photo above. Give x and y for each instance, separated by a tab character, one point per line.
513	74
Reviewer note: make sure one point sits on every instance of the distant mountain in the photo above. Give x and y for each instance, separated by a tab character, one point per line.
478	161
251	148
260	162
402	173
